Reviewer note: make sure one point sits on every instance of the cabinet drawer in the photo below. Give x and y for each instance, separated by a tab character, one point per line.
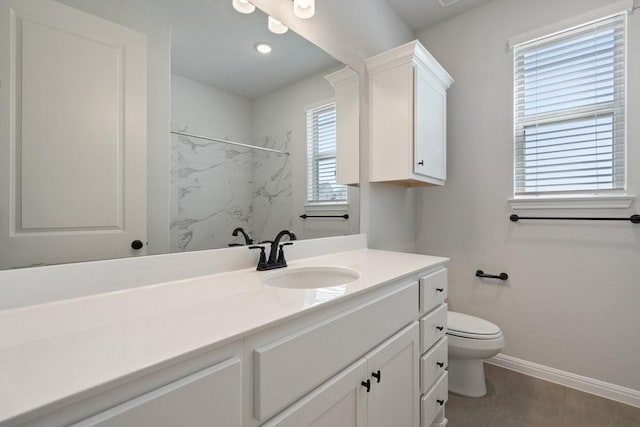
210	397
288	368
432	402
433	364
433	290
433	326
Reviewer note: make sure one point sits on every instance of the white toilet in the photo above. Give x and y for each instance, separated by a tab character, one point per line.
471	340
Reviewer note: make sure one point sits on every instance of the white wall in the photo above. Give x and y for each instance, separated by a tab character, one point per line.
571	302
150	17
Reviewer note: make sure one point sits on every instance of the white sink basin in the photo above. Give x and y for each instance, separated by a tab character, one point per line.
311	277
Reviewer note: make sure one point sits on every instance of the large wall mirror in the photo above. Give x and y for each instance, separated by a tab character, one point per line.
248	146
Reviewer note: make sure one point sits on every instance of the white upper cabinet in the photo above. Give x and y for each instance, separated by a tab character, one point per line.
346	84
408	104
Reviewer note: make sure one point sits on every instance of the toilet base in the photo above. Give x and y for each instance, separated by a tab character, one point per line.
466	377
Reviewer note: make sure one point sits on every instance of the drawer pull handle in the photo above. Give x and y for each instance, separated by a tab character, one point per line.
440	402
440	328
377	375
440	364
367	385
440	289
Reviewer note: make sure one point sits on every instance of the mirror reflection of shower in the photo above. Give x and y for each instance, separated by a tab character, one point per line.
219	188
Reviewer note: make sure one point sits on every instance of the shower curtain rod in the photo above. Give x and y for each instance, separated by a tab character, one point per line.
225	141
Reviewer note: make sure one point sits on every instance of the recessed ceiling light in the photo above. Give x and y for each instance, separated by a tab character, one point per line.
263	47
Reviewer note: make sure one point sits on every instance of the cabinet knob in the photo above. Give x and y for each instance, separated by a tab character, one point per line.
440	328
440	364
421	163
440	289
366	384
377	375
137	244
440	402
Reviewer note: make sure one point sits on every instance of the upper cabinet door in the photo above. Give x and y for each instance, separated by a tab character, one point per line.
346	83
430	126
72	136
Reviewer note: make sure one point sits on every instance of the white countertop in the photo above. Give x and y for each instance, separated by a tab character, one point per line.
55	350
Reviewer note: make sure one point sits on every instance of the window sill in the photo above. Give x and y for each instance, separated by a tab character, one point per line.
323	207
572	202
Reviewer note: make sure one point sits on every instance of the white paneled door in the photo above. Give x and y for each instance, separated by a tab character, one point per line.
72	136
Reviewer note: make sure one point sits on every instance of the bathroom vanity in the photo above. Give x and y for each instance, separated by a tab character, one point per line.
227	349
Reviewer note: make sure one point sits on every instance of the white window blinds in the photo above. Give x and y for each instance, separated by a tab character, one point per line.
321	151
570	110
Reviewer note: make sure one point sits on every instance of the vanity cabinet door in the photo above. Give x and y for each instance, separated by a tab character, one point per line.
393	372
341	401
211	397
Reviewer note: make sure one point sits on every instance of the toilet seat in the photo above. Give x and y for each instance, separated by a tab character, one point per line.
465	326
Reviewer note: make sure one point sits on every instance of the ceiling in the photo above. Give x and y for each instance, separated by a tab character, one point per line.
213	44
421	14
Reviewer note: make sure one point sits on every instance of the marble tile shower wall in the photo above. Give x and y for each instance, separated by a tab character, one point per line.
217	187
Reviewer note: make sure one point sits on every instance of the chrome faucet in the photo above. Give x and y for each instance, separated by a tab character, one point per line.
276	255
247	239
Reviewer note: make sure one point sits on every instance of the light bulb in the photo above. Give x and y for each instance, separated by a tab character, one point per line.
263	47
304	9
276	26
243	6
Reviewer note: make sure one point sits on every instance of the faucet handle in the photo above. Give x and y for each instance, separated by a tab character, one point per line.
281	253
262	262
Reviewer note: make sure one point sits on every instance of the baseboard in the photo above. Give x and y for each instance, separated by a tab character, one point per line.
578	382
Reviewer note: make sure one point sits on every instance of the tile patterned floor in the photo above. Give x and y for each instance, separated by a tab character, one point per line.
516	400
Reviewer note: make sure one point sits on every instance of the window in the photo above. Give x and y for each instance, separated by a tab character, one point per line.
321	150
570	111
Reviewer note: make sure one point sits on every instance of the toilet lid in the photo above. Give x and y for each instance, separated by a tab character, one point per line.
465	325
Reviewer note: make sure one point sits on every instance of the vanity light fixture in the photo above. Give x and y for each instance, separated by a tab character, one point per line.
304	9
243	6
263	48
276	26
